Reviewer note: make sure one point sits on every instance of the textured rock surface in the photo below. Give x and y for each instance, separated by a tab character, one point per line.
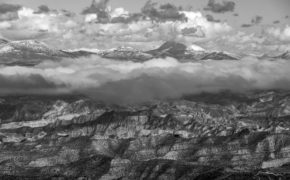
206	136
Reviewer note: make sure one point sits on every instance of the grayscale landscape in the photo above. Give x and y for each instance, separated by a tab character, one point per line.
144	90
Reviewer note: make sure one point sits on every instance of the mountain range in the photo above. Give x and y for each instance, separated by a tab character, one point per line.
31	52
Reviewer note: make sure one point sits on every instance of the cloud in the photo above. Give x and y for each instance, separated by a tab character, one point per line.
165	12
257	20
96	7
43	9
276	22
30	25
246	25
8	12
100	8
119	12
4	25
9	16
6	8
31	84
130	82
282	34
245	43
211	18
91	18
197	20
223	7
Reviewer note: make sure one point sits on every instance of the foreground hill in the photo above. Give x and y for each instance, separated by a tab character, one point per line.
206	136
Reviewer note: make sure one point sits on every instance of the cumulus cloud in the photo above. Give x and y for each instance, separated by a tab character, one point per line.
4	25
223	7
130	82
91	18
119	12
282	34
31	25
196	19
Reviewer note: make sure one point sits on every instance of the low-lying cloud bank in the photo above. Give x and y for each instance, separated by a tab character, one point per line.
133	82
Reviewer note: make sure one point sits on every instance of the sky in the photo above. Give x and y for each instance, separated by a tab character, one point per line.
270	10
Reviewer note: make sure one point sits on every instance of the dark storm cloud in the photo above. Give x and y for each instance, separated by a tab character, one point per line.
6	8
223	7
211	18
